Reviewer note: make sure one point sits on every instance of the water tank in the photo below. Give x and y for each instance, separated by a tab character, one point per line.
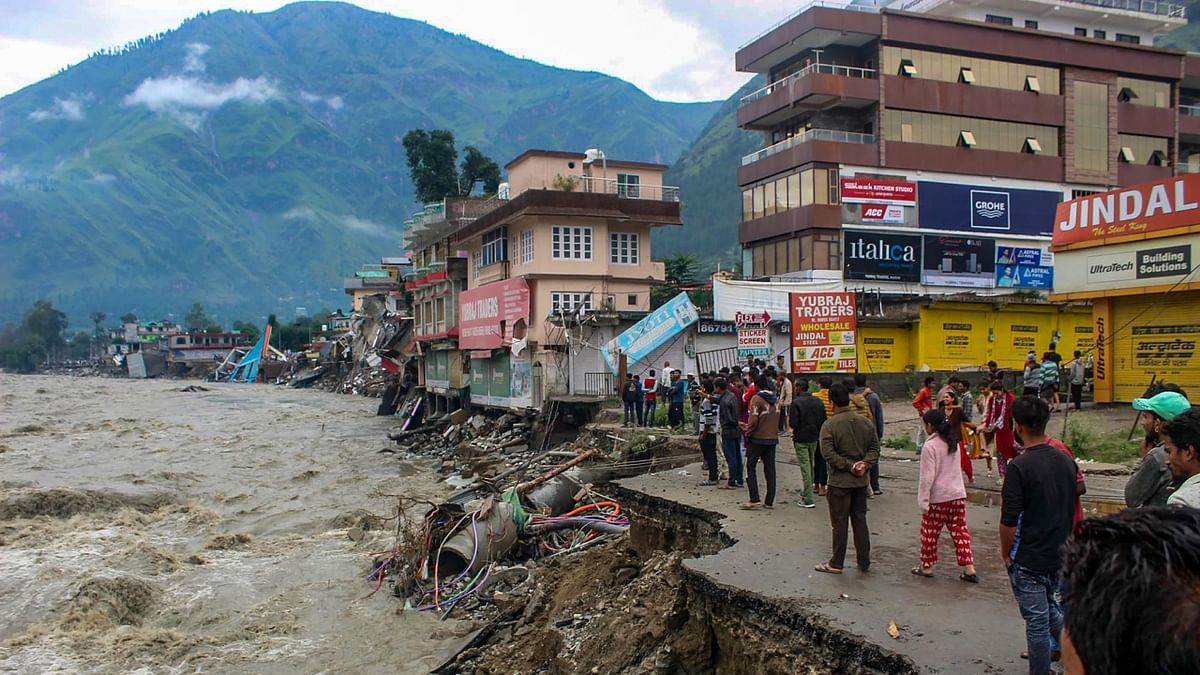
502	191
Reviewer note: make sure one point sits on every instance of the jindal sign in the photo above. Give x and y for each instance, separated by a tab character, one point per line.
1150	207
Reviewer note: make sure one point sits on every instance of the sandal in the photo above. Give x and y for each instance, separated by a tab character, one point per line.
726	486
922	572
750	506
708	483
969	578
828	569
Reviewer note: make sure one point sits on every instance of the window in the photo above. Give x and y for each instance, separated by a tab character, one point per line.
966	139
569	242
966	76
1091	126
623	248
1126	95
629	185
946	130
477	262
495	246
631	299
1080	32
769	199
1150	150
907	68
747	205
1032	146
570	302
1099	34
1032	84
1030	23
1001	20
1126	155
527	247
949	68
1129	39
906	134
1076	194
1143	92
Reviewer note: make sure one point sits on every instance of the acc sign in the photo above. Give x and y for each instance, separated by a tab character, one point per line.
882	213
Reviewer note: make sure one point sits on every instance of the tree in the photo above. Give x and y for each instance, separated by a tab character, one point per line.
80	346
477	166
129	317
47	323
196	320
248	329
679	275
431	157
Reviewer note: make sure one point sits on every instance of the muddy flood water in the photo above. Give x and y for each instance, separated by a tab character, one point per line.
145	529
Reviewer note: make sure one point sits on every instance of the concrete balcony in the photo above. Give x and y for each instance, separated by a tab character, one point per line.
814	145
1132	174
819	86
927	157
814	26
1145	120
970	100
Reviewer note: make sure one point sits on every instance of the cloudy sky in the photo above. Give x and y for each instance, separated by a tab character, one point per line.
679	50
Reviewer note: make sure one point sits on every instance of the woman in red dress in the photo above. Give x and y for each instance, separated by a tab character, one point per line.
998	420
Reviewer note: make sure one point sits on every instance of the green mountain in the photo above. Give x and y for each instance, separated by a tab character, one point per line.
250	161
707	178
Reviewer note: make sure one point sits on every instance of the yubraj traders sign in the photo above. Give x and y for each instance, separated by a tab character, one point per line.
487	314
823	332
1140	209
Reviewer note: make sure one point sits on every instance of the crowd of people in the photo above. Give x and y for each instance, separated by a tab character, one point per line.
743	413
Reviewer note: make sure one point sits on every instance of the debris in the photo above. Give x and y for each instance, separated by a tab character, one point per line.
192	388
893	630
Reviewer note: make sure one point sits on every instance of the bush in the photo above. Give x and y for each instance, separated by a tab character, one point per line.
1087	443
900	443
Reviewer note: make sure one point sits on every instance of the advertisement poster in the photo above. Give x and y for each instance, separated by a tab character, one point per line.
823	332
956	339
522	381
488	314
653	331
960	261
1150	207
987	208
753	336
881	256
1129	265
871	190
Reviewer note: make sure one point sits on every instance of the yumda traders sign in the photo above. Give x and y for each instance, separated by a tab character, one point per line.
823	332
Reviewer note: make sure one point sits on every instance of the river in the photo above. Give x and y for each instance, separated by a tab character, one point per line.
151	530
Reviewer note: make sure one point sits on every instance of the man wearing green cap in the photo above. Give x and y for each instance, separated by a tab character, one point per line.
1152	482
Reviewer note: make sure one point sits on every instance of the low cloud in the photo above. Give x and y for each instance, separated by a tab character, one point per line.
70	108
178	92
194	61
334	102
101	178
300	213
366	227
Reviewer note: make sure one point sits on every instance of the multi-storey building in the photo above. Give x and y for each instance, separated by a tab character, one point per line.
570	246
917	145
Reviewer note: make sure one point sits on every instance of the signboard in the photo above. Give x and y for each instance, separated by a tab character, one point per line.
1012	255
1141	209
488	314
987	208
871	190
643	337
823	332
960	261
1130	265
710	327
881	256
753	336
882	213
1018	267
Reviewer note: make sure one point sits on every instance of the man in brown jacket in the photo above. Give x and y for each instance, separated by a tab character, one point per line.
762	436
850	448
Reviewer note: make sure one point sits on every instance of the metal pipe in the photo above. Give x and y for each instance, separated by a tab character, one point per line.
529	485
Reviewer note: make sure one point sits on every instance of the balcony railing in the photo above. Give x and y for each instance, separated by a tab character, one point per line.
810	135
1143	6
829	68
611	186
855	7
1193	110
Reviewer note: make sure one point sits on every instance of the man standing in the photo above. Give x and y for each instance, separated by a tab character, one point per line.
630	392
876	407
694	396
1050	379
1032	381
729	412
806	415
1182	436
1078	373
820	471
678	396
922	403
762	437
708	433
650	393
965	400
1038	497
1151	482
783	388
850	447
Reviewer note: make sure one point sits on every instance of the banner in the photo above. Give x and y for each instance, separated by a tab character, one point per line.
1150	207
868	190
882	256
488	314
1024	276
753	336
960	261
823	332
987	208
732	296
651	332
1136	264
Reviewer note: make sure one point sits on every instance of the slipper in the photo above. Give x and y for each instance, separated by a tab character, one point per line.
707	483
750	506
726	486
969	578
922	572
827	569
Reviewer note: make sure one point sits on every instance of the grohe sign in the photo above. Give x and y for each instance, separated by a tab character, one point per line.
983	208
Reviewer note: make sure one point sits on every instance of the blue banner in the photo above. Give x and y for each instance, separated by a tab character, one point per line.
986	208
1024	276
1012	255
651	332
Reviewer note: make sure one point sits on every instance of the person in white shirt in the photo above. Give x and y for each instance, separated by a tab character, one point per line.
1182	438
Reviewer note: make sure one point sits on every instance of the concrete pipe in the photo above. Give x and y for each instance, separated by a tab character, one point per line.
481	541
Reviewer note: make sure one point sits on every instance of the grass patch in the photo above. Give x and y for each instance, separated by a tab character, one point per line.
1112	447
900	443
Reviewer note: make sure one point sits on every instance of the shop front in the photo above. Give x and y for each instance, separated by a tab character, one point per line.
1133	253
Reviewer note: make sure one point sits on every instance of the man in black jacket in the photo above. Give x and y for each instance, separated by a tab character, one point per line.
631	394
806	415
729	412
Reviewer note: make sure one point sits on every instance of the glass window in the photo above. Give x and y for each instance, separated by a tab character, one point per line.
527	246
1144	149
1091	126
769	198
949	68
821	186
1129	39
495	246
1143	92
948	130
1080	32
758	201
781	194
569	242
623	248
747	205
629	185
1001	20
756	265
1099	34
570	302
793	191
806	187
1030	23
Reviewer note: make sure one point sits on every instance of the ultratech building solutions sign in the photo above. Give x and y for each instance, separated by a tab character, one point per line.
1131	265
960	261
983	208
881	256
